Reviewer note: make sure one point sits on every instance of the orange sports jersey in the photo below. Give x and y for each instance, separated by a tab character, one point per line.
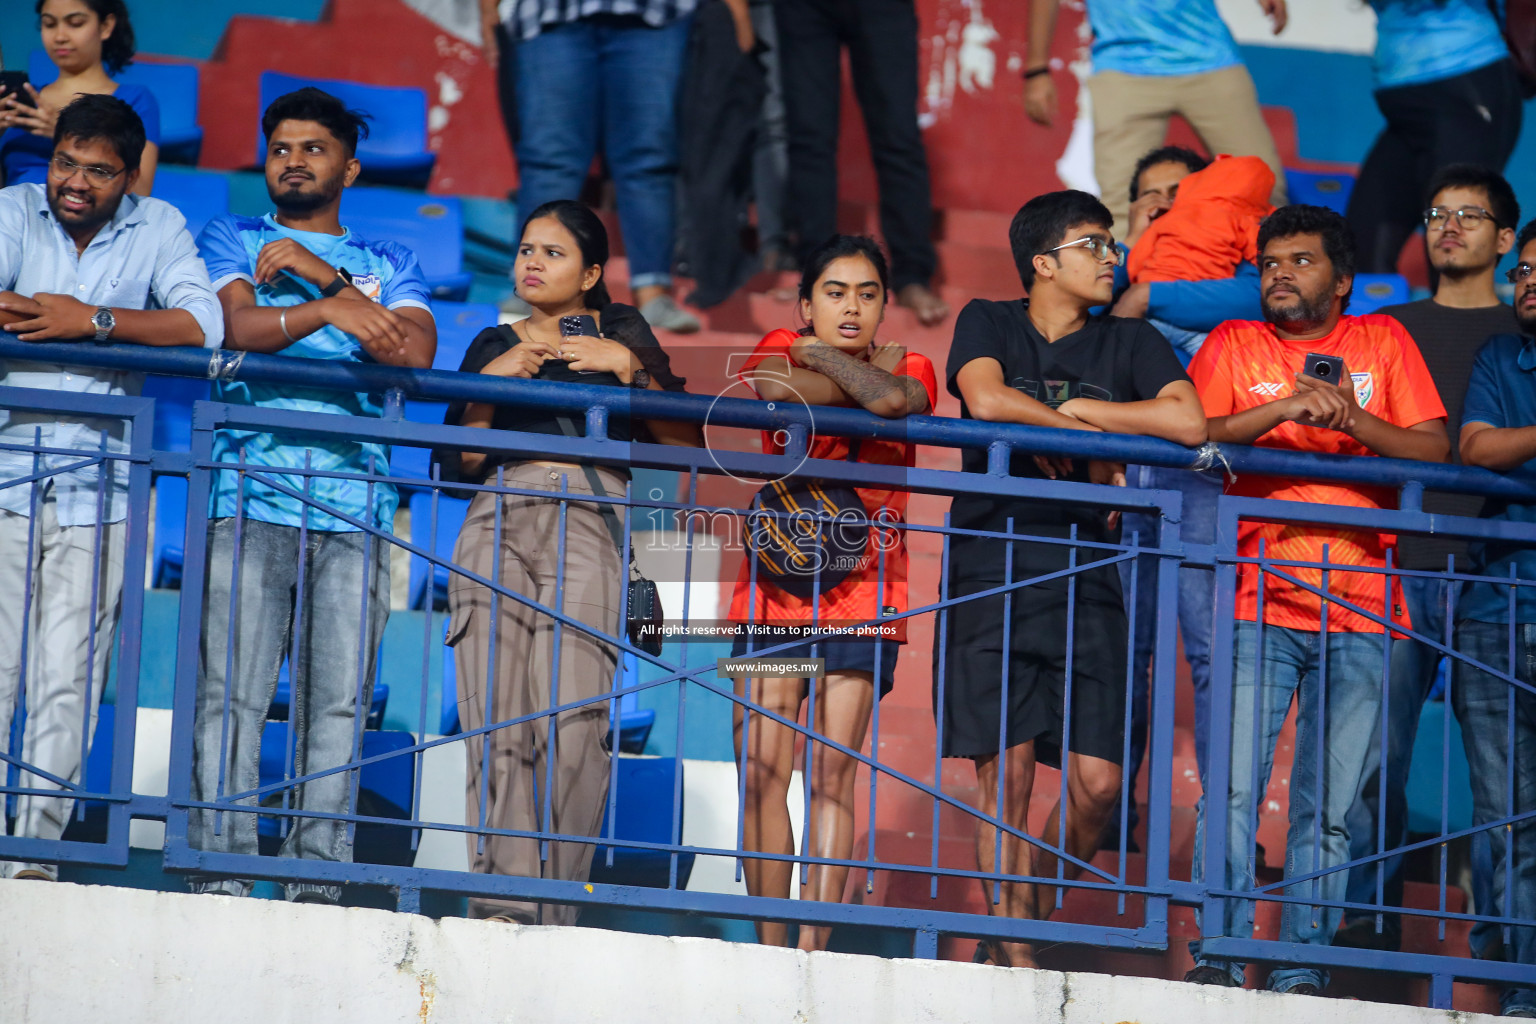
1244	364
854	599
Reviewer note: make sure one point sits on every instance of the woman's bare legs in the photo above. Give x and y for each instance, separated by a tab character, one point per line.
844	701
770	762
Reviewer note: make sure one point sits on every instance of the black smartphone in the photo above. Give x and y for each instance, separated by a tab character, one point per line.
13	82
584	325
1329	369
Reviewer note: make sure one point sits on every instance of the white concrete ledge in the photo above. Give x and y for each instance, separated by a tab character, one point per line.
72	954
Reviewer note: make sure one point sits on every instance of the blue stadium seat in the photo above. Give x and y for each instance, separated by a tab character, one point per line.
644	814
429	589
1373	291
457	325
634	722
173	432
396	148
175	88
1318	188
199	195
430	226
385	790
170	532
449	723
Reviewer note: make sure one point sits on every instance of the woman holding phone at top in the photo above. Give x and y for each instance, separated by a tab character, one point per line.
833	360
90	41
559	270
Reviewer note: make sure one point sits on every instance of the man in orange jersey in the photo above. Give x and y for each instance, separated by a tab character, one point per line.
1250	382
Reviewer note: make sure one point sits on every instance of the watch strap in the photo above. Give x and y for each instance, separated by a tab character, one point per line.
339	282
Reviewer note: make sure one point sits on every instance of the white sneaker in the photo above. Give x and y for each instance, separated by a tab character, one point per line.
665	314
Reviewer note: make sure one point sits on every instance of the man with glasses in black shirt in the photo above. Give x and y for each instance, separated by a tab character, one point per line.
1044	361
1469	224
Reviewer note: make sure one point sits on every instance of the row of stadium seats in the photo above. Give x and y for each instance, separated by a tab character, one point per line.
430	226
395	152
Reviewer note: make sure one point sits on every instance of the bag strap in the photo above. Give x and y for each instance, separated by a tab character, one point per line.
598	490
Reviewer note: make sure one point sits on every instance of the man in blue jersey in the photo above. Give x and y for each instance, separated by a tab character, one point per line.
302	580
1153	59
1450	93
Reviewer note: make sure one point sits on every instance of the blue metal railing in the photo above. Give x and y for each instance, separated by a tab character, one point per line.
1142	904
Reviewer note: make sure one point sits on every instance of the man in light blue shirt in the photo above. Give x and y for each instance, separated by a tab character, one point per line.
313	573
80	258
1153	59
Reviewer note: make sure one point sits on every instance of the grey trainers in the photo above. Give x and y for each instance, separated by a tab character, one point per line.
664	313
513	308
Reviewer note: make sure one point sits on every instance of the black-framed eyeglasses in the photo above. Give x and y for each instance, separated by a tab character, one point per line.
96	175
1519	272
1468	217
1102	249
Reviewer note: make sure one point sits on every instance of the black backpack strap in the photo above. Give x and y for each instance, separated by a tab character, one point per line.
606	507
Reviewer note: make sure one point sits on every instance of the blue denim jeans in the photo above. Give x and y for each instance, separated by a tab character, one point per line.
610	82
1197	594
1415	668
331	681
1325	776
1498	720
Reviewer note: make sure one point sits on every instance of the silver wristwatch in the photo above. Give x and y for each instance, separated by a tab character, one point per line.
104	322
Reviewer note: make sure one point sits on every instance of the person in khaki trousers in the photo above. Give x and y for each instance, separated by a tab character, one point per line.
1153	59
555	546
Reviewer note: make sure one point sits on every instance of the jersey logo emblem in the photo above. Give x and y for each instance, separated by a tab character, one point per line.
1266	388
369	285
1365	388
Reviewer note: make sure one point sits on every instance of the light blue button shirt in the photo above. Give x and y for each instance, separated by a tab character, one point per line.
143	258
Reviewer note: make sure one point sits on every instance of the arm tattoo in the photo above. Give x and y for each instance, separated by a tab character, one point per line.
859	380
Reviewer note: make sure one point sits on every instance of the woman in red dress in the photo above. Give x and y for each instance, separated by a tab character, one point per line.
834	360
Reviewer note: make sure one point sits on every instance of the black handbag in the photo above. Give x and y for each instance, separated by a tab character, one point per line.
645	612
808	533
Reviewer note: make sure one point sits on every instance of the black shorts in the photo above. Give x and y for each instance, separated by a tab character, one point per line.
1037	674
844	654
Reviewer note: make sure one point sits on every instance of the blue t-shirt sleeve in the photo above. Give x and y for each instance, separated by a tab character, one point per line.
1201	305
406	285
145	105
1483	403
223	251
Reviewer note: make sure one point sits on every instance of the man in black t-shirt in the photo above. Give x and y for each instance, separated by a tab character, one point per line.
1469	223
1044	361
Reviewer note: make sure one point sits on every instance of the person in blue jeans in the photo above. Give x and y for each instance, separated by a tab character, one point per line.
1190	309
1288	643
603	75
1497	709
306	581
1470	219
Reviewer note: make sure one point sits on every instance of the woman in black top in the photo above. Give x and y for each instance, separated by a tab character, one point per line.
505	650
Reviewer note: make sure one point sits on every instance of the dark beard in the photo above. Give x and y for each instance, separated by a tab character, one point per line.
298	200
1527	321
1312	310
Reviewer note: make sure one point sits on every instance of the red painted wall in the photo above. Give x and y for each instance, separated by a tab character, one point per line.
984	153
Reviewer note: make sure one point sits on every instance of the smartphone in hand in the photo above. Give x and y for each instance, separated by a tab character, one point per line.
1326	368
12	83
